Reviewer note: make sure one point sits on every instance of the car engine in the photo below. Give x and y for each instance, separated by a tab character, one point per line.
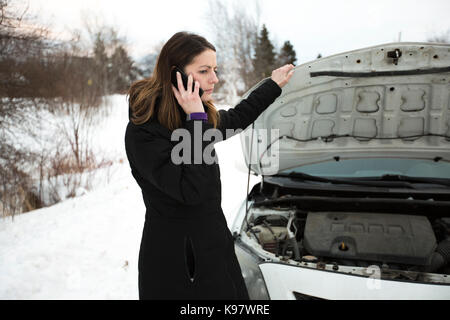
404	242
374	237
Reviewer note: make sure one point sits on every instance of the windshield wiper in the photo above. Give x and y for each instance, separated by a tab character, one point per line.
371	182
399	177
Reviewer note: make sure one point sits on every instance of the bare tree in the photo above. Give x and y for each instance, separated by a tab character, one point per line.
235	32
21	45
41	78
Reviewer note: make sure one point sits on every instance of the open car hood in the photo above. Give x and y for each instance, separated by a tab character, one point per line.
391	100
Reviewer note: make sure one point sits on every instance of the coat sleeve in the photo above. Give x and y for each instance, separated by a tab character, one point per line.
248	110
150	154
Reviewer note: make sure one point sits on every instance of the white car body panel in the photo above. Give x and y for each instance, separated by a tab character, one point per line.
282	280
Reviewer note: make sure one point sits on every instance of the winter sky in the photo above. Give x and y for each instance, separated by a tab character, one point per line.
313	26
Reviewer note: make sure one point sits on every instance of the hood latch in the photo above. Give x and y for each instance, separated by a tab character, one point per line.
395	54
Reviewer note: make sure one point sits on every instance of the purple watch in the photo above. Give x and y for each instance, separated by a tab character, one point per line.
197	116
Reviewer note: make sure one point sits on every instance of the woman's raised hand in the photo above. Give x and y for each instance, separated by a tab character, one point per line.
282	75
189	100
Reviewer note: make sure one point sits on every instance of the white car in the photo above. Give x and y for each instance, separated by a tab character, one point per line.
354	197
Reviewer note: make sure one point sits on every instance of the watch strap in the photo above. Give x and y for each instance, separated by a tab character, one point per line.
197	116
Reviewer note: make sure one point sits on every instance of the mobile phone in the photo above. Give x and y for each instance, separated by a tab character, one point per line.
184	78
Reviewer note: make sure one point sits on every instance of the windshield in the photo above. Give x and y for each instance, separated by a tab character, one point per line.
375	167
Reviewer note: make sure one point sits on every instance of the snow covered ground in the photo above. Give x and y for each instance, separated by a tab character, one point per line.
87	247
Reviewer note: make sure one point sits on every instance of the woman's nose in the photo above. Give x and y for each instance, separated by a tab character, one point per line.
214	78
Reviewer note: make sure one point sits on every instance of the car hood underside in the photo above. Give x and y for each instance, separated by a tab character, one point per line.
388	100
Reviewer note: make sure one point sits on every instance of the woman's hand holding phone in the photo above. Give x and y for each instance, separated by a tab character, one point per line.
189	100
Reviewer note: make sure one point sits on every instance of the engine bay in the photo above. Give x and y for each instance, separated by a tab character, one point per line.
412	243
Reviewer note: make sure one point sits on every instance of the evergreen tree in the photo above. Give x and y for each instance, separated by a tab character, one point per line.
264	59
112	73
287	54
121	70
147	64
100	80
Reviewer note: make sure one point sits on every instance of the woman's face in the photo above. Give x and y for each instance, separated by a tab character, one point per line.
203	68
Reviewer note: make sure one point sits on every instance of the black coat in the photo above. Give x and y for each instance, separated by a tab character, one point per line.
187	250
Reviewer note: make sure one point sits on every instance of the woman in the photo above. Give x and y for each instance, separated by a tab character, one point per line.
187	251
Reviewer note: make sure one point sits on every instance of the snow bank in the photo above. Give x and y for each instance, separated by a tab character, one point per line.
82	248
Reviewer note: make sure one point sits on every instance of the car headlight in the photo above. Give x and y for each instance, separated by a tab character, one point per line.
253	277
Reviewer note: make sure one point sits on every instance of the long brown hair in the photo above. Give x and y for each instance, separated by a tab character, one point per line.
180	50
